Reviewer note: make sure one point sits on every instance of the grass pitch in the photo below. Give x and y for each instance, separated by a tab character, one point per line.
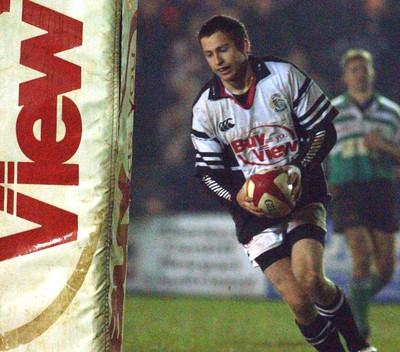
190	324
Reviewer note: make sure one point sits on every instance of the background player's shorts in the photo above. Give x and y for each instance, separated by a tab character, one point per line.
371	204
276	243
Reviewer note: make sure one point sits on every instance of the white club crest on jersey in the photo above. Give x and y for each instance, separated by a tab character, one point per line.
278	103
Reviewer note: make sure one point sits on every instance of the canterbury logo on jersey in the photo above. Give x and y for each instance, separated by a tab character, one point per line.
226	125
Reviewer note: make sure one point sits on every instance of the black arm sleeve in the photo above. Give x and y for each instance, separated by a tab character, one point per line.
318	145
220	188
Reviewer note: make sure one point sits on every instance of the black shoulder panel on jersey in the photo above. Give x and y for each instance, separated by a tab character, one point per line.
272	58
259	68
205	87
278	59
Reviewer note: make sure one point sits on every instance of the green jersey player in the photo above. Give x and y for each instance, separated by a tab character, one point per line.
362	171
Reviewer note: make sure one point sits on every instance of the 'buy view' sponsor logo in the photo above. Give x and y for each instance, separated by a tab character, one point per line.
266	145
41	100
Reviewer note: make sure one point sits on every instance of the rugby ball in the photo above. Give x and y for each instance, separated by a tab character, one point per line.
271	192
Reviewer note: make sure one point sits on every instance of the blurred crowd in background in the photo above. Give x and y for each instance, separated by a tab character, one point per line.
171	70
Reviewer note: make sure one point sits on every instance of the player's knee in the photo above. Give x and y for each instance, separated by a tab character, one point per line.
385	268
386	274
301	305
304	313
312	282
361	264
361	256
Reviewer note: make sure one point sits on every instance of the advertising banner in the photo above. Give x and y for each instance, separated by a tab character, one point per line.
66	110
198	254
191	253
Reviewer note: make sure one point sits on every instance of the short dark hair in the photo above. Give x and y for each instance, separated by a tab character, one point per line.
230	26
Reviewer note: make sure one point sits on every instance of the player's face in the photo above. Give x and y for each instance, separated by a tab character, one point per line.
358	75
224	58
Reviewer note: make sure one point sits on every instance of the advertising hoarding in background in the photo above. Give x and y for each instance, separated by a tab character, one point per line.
198	254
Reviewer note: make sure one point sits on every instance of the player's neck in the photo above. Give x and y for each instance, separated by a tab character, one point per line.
361	97
240	86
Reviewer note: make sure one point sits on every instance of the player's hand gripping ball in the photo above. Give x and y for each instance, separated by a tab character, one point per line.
271	192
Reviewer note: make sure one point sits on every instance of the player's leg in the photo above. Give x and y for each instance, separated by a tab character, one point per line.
317	330
331	303
271	254
306	232
378	245
350	217
359	244
364	285
383	259
383	220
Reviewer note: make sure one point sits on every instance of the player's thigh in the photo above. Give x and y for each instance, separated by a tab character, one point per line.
383	252
358	241
307	263
308	268
306	234
281	276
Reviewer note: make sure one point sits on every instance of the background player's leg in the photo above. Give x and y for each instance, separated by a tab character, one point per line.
381	269
359	244
383	259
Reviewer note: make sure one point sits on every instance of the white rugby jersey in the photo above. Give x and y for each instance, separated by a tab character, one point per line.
284	108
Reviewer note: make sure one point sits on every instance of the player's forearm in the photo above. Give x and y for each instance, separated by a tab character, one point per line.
391	150
219	189
320	144
375	142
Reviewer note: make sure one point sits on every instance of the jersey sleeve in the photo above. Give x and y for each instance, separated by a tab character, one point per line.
209	150
310	105
210	163
313	113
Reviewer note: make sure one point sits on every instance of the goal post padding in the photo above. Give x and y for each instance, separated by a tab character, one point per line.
67	73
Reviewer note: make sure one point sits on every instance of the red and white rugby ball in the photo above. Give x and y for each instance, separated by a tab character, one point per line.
271	192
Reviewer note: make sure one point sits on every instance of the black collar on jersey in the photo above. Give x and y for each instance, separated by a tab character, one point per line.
260	71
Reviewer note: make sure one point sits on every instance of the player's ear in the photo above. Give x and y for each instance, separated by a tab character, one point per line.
373	74
343	79
246	46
